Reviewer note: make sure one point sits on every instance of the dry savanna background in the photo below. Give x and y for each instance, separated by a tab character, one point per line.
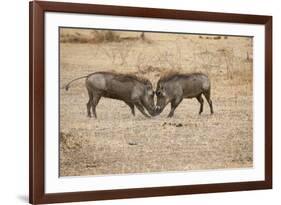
117	142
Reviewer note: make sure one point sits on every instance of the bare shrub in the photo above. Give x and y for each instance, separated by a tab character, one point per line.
217	37
171	57
111	36
211	37
228	58
117	53
144	68
106	36
205	61
94	37
142	36
110	53
124	51
140	62
249	58
74	38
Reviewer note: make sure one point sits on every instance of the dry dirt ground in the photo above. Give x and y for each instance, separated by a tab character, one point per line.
118	143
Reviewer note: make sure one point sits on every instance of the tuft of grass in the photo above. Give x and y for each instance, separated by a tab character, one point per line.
69	142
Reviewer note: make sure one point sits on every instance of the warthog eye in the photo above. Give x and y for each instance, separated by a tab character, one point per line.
158	93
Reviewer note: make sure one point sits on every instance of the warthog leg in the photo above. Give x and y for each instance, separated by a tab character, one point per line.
89	104
141	109
95	101
207	95
174	105
131	105
201	101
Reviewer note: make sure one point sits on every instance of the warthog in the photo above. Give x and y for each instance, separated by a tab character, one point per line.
173	87
133	90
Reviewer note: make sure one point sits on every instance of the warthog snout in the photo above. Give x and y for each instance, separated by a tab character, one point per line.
157	108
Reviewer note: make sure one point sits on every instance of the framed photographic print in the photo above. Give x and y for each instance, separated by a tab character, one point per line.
139	102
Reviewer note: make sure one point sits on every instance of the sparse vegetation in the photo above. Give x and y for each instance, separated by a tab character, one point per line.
118	143
94	36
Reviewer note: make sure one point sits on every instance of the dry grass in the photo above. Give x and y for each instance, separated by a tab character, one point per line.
117	142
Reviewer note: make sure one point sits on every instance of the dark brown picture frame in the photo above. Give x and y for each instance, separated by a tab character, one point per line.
37	193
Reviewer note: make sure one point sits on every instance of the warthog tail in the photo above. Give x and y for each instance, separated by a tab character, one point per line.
68	84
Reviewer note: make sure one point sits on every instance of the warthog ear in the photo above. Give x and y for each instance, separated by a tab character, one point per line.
148	86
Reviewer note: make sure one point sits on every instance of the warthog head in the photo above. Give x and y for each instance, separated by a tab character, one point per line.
162	98
148	99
